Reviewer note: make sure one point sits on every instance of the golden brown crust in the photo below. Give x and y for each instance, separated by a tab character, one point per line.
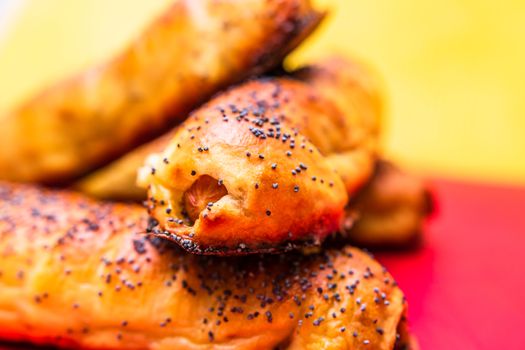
81	274
389	211
190	52
288	155
279	186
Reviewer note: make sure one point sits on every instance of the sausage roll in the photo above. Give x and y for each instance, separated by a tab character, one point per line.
194	49
79	273
389	211
269	164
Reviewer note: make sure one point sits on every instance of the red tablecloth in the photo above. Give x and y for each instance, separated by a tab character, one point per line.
466	286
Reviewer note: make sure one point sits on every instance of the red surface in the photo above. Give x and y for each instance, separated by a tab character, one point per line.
466	285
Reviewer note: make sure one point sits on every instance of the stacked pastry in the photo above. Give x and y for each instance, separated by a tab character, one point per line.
249	203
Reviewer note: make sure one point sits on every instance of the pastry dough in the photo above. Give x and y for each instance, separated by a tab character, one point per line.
270	186
78	273
193	50
266	165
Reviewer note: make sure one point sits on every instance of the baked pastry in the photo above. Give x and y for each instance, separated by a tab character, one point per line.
238	177
193	50
79	273
355	90
389	211
267	165
349	84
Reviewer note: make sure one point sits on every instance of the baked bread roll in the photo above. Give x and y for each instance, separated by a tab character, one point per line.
389	211
239	177
193	50
78	273
267	165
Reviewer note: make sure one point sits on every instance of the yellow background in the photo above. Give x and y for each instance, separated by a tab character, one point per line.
454	69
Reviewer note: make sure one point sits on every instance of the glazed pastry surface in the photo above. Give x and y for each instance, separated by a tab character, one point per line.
267	164
80	273
239	176
193	50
